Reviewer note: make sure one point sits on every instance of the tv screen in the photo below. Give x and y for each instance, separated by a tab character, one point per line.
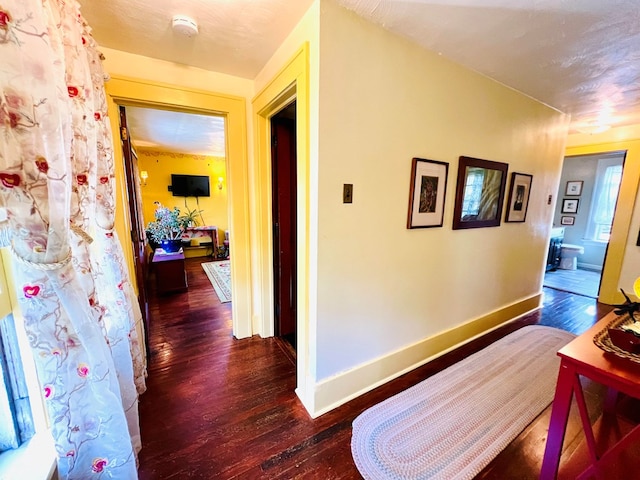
189	185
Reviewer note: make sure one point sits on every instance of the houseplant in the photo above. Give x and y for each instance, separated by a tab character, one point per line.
166	230
190	219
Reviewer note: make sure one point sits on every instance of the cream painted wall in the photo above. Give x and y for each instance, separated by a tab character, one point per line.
622	265
138	66
382	101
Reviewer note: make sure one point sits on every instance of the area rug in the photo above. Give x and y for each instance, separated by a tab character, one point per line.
219	274
451	425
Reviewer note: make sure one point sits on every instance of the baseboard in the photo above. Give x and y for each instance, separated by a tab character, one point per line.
332	392
590	267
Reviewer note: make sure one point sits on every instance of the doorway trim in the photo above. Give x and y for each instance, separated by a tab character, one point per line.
291	82
133	92
620	231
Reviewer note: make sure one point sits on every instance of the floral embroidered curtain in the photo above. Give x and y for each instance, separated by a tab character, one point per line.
57	186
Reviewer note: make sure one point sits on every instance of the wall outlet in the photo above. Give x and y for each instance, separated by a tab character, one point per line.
347	193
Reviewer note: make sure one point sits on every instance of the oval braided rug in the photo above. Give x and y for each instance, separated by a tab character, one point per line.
451	425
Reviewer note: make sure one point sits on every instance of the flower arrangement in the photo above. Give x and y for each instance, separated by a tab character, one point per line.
168	225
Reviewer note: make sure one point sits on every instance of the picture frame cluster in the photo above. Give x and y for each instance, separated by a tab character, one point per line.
480	192
569	208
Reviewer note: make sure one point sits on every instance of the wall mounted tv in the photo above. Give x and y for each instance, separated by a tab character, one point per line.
189	185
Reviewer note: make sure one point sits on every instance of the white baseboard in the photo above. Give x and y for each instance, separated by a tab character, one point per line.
332	392
590	267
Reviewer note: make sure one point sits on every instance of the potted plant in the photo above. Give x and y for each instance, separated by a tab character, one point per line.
166	230
190	219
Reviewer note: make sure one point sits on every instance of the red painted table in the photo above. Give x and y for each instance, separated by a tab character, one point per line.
582	357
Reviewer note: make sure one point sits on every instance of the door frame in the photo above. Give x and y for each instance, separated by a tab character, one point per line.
292	82
143	93
612	271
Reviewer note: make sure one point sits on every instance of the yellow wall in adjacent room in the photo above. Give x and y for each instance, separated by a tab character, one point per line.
160	165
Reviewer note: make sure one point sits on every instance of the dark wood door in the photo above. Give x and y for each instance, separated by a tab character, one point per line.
283	154
137	221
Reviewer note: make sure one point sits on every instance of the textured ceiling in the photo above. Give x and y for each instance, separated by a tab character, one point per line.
581	57
176	132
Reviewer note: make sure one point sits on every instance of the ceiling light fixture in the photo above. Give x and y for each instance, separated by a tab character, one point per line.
184	25
593	128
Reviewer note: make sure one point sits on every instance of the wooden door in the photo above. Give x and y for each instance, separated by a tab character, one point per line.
137	221
283	155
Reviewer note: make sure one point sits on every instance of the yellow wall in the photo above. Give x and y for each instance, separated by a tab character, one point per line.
622	264
160	165
383	100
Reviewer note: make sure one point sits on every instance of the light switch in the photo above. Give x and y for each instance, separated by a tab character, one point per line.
347	193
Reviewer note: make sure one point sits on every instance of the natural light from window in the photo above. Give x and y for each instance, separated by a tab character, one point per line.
605	195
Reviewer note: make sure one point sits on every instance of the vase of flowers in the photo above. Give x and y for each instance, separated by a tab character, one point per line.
166	230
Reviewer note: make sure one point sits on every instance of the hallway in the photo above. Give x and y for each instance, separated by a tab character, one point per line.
217	407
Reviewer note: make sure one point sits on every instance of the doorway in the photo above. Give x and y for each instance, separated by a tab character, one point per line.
125	91
585	210
284	213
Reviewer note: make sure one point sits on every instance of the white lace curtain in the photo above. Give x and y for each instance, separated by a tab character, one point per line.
57	185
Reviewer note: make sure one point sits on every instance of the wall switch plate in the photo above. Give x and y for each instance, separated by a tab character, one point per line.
347	193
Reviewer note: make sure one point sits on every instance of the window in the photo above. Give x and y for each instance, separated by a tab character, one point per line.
473	192
605	196
16	421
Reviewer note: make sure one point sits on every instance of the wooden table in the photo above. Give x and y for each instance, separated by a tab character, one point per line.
170	273
582	357
207	230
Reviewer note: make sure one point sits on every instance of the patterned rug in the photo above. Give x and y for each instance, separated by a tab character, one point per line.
219	274
451	425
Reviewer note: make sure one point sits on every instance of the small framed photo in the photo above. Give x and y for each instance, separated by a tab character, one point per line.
574	187
567	220
570	205
518	197
426	193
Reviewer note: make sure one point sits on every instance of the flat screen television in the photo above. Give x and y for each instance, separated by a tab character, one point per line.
189	185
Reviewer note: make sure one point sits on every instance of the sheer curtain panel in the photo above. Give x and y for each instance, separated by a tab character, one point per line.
57	186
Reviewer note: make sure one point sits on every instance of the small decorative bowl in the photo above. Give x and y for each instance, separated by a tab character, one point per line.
625	340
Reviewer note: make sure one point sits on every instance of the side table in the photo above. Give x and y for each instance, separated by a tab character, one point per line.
170	273
581	357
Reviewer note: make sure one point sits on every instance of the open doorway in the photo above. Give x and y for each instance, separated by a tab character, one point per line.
284	213
164	153
584	214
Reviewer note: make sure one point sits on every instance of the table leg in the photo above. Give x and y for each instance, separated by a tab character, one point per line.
558	423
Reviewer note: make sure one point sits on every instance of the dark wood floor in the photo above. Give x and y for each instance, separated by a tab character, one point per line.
217	407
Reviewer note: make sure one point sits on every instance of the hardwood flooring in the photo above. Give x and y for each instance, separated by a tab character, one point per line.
217	407
581	282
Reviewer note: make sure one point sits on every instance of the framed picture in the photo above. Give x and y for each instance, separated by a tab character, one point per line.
479	193
427	193
570	205
574	187
567	220
518	197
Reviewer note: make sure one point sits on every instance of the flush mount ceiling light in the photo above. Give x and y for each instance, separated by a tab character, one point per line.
184	25
593	128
